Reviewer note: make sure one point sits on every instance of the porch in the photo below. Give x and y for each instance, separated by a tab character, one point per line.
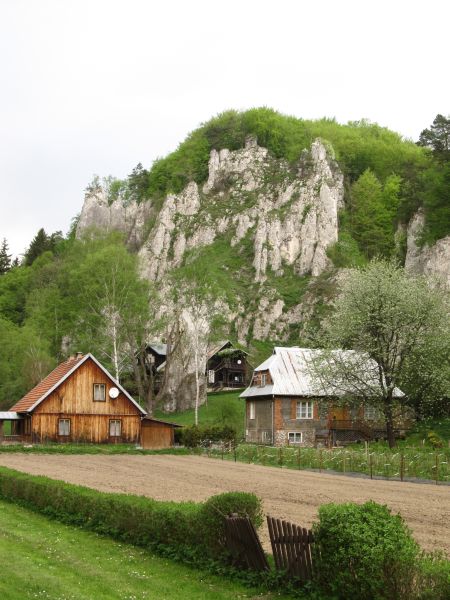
11	427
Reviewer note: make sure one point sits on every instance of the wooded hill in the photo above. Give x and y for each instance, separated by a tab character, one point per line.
68	294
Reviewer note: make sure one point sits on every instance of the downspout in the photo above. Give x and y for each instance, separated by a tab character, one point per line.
273	420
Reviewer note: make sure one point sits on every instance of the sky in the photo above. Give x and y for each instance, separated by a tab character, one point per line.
94	87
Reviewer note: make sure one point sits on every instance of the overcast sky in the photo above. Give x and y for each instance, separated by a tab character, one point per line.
98	86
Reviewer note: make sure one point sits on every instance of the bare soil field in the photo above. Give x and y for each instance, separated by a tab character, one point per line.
287	494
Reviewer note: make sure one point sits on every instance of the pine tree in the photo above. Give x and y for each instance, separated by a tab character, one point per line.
40	243
5	258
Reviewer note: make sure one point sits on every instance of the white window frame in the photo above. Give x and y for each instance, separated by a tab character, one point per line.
263	379
295	434
304	410
371	413
114	429
64	431
97	387
251	410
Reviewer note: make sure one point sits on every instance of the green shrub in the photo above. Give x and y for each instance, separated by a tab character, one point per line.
185	529
214	511
434	440
433	577
195	436
364	552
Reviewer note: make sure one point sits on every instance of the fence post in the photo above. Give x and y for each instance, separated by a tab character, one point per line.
234	452
402	466
298	458
320	460
343	462
436	467
223	443
280	456
371	465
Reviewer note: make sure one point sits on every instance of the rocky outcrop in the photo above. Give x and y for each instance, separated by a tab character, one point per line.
286	217
432	261
129	218
290	214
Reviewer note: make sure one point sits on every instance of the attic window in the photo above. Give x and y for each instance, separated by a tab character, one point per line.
263	379
99	392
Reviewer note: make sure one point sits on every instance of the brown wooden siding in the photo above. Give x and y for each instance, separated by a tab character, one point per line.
73	400
156	435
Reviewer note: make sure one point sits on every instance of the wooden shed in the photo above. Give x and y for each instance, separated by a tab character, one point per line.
157	434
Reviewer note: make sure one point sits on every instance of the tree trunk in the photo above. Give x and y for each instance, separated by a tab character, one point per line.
389	423
197	389
149	395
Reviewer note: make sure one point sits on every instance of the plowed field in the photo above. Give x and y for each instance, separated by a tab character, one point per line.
287	494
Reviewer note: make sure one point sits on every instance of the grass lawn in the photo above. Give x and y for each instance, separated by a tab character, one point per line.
223	408
40	558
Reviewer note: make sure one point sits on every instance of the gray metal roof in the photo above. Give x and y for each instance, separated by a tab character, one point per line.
292	374
158	347
10	416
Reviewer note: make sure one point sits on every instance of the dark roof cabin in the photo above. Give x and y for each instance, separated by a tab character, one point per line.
226	366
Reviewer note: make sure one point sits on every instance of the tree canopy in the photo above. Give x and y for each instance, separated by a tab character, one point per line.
400	322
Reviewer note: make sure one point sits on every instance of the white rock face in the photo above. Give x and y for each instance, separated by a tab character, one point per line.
286	215
432	261
129	219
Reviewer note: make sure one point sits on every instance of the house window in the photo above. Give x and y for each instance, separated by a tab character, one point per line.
263	379
115	428
371	413
304	410
295	437
251	410
63	426
99	392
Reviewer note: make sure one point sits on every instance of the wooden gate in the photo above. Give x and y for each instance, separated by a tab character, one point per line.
291	547
244	545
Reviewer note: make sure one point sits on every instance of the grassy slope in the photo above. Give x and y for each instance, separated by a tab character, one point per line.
225	406
43	559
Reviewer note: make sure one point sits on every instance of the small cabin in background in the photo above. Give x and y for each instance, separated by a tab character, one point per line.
285	407
226	366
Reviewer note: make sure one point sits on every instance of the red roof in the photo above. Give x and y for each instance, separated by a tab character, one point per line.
52	379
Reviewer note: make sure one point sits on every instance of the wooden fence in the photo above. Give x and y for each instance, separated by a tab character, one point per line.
291	546
244	545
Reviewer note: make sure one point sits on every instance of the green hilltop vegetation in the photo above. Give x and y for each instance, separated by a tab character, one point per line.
409	175
65	292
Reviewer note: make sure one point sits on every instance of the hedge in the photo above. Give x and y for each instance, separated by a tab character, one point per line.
184	529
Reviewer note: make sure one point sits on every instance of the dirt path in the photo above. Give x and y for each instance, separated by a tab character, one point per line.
288	494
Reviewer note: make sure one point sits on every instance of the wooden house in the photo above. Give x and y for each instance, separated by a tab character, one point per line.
285	406
79	401
226	366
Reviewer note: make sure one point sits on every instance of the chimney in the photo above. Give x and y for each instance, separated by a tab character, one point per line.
79	355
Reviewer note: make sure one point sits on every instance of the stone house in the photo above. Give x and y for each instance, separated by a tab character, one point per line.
285	406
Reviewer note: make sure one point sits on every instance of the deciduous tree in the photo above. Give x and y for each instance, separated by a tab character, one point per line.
397	320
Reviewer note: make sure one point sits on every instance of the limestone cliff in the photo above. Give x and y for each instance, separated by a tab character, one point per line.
433	261
275	220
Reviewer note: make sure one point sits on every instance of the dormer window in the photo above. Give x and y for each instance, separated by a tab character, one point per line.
263	379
